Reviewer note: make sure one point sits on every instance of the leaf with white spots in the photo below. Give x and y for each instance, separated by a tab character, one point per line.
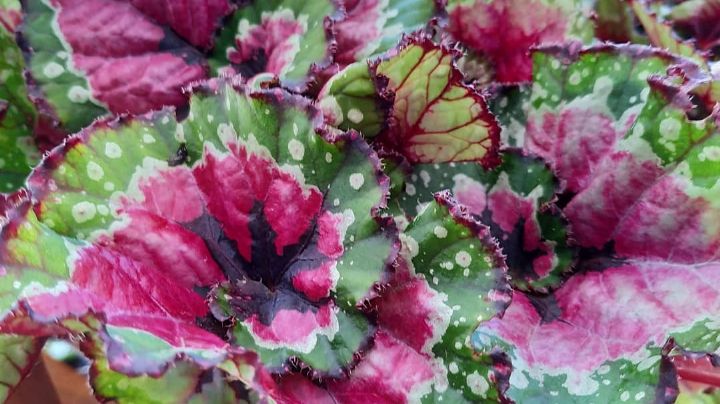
641	207
459	260
284	268
292	40
435	117
374	26
17	117
515	201
88	58
18	355
349	100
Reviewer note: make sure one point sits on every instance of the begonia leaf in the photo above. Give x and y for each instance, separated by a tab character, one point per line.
292	40
91	57
18	355
639	204
245	226
10	15
514	201
17	117
350	100
695	19
183	381
445	120
505	30
614	22
448	278
375	26
459	260
661	34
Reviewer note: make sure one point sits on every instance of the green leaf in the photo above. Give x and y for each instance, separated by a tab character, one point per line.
459	260
65	87
514	200
662	35
349	100
285	38
445	120
372	27
18	355
17	118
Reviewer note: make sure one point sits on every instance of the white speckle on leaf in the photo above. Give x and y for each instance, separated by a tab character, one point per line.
574	78
518	380
17	284
109	186
440	232
328	157
453	368
297	150
639	396
357	180
83	212
711	153
295	129
670	129
112	150
477	384
78	94
94	171
355	115
179	133
410	247
336	202
410	189
148	138
53	70
425	177
625	396
463	259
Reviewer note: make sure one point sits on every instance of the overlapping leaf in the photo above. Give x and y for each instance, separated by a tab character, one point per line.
695	19
10	15
505	30
449	278
18	355
289	39
17	118
640	206
375	26
420	107
91	57
300	247
514	200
